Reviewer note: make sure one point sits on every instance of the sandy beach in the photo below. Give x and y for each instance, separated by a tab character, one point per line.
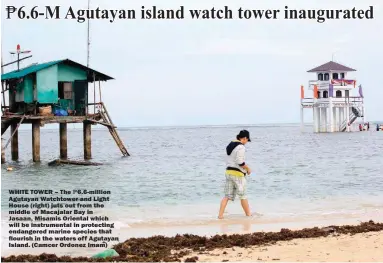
365	247
344	243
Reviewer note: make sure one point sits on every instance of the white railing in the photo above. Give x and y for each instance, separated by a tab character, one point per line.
320	84
351	100
342	100
325	84
307	100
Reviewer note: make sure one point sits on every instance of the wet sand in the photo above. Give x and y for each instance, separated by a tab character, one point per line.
361	242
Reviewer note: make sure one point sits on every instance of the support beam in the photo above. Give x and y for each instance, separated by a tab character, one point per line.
14	142
302	118
348	117
321	119
341	115
2	152
337	122
36	141
331	115
87	140
317	118
63	141
334	126
314	119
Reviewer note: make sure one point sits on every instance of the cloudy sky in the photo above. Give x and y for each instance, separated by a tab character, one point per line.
189	72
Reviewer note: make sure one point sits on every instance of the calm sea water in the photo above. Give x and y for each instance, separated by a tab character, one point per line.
176	175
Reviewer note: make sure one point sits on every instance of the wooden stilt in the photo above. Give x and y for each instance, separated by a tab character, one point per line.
36	141
2	152
3	92
99	89
63	141
87	141
14	142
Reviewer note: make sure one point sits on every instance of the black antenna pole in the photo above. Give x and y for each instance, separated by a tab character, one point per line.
87	64
88	39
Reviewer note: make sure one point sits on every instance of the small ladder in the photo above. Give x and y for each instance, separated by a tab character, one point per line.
355	113
107	121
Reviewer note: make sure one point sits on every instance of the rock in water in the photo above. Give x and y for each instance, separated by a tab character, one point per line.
106	253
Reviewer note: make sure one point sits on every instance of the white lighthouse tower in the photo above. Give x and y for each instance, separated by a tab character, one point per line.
335	105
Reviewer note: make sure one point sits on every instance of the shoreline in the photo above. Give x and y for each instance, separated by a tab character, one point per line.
170	227
184	247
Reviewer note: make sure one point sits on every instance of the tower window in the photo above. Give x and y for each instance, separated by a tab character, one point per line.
342	75
325	94
338	94
335	75
326	76
347	93
320	76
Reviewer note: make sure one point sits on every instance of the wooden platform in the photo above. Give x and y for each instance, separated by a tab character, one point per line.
49	119
9	119
14	121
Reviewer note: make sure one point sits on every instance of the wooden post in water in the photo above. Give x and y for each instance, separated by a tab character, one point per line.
63	141
14	142
36	141
2	152
87	140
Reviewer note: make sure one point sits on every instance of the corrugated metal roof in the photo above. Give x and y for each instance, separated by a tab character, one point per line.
34	68
331	65
28	70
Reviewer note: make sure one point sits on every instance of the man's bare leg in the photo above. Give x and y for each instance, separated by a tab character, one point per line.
246	207
222	207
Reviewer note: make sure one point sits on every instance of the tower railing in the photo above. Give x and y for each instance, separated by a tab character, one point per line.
325	83
350	99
